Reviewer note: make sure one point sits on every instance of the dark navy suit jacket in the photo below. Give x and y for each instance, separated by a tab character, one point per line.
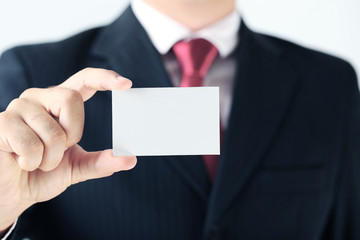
289	167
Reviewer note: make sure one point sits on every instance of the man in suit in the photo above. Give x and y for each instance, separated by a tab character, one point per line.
289	165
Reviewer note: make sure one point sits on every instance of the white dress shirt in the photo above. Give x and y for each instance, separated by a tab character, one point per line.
164	32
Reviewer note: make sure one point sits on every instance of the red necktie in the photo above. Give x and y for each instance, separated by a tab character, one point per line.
195	58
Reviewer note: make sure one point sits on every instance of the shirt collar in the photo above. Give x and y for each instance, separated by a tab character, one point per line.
164	31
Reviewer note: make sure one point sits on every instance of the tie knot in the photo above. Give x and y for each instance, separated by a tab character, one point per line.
195	57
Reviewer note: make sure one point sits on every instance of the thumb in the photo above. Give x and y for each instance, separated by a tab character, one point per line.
91	165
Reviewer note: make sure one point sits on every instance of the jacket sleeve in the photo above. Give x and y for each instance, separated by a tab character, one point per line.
13	77
13	82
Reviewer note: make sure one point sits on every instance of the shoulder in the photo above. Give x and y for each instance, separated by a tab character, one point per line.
73	45
59	59
317	70
303	58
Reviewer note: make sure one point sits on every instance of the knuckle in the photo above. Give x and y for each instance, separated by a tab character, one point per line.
30	143
112	72
75	139
28	92
87	70
72	97
36	146
91	70
17	104
57	136
36	116
28	163
5	119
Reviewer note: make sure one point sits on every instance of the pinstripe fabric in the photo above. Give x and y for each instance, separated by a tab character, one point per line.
289	168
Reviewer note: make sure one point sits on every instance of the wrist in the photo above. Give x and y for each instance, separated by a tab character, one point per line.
3	232
11	214
4	227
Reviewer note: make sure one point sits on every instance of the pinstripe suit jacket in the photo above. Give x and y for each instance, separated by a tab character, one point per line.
289	167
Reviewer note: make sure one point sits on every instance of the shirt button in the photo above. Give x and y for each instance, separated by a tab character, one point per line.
214	233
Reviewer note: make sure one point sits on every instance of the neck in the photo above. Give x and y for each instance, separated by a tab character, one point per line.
194	14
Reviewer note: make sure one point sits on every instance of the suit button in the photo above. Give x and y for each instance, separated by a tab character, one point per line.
214	233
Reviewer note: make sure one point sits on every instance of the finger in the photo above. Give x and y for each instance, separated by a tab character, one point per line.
48	130
90	80
19	138
91	165
65	104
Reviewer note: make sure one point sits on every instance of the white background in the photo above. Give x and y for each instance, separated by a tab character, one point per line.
332	26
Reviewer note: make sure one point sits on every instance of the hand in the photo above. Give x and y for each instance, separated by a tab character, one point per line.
39	132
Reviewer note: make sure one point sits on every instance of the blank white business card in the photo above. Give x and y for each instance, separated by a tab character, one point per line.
166	121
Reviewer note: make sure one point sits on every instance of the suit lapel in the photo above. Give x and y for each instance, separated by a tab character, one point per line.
265	85
127	49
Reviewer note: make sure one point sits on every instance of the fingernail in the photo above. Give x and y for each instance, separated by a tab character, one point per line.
121	78
127	82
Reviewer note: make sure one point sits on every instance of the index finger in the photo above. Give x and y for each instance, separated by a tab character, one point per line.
90	80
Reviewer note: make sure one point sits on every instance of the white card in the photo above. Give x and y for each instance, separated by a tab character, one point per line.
166	121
